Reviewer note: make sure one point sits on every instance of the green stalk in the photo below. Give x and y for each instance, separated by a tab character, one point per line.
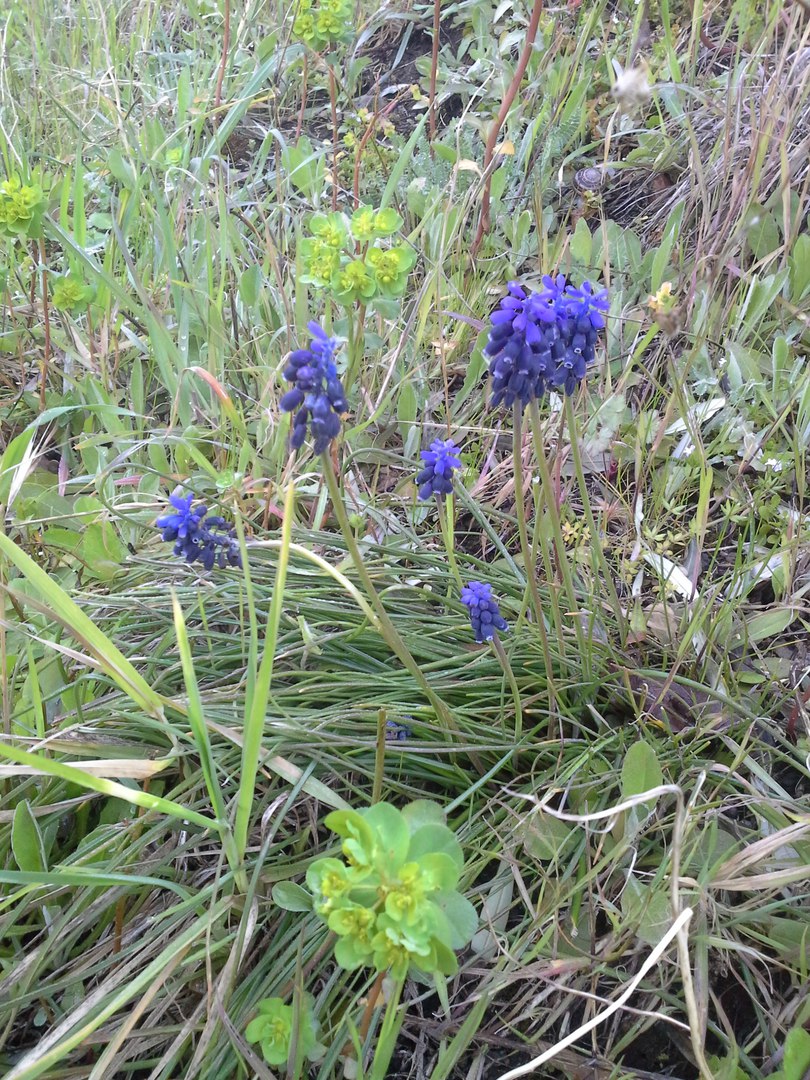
529	568
596	546
355	349
540	543
447	522
559	543
387	628
259	690
500	652
199	731
387	1039
379	757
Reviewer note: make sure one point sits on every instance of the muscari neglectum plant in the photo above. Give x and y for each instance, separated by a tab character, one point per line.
197	535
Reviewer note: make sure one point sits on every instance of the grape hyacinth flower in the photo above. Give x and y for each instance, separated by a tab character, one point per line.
198	536
396	732
440	462
485	615
542	339
317	396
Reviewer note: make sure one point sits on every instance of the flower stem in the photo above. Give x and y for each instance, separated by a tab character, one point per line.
386	1041
379	757
333	104
528	566
447	521
356	338
559	542
500	652
385	625
46	352
598	554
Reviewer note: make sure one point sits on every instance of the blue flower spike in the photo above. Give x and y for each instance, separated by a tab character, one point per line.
543	339
485	615
198	536
317	396
440	462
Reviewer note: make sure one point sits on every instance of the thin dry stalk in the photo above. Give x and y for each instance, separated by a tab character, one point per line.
506	104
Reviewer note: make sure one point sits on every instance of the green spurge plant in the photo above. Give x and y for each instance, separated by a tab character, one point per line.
323	22
72	293
343	255
392	900
21	209
273	1030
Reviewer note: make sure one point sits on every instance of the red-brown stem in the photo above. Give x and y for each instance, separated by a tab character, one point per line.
46	352
795	713
434	65
300	125
226	44
368	1012
333	103
362	145
506	105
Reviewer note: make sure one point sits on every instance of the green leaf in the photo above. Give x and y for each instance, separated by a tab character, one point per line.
440	869
26	840
391	833
348	823
303	167
649	908
423	812
64	539
435	838
403	161
122	170
71	616
582	243
249	284
544	836
661	259
759	300
797	1054
767	624
406	415
73	775
726	1068
291	897
103	550
13	455
640	770
387	221
460	914
799	263
760	231
445	153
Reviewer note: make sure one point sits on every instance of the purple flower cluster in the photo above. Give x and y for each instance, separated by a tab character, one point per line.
543	339
485	615
317	396
199	536
440	462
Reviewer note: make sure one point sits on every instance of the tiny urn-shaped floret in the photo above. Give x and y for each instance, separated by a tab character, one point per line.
440	462
485	615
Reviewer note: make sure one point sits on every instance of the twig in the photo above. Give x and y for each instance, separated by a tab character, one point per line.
46	353
434	65
506	104
378	115
226	44
300	125
333	103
